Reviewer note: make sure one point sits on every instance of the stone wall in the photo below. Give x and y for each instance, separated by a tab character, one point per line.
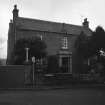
52	40
13	76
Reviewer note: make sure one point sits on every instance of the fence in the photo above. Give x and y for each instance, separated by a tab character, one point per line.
21	76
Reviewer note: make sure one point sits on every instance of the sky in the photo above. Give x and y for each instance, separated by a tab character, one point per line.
65	11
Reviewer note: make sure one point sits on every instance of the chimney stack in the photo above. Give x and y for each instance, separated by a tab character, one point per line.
15	12
85	23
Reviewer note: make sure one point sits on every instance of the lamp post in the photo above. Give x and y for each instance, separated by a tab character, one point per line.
27	49
33	68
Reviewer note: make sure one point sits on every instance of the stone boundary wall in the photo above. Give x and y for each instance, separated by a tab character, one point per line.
14	76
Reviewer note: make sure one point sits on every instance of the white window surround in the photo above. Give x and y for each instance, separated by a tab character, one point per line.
64	43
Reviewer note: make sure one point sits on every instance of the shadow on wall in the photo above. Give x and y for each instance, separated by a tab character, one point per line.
53	66
77	63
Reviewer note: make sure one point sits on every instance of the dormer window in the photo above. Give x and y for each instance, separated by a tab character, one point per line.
64	43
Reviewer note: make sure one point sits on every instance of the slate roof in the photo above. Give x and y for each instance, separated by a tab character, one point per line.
41	25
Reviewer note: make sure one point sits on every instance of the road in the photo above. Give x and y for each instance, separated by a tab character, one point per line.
54	97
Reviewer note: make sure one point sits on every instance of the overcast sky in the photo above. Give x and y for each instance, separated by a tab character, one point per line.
66	11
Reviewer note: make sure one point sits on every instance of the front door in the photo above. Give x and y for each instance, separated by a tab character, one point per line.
65	64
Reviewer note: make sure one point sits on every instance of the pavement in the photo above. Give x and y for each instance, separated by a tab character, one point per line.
58	87
73	96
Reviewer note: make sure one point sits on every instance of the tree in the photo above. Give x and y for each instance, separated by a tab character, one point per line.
37	48
90	46
82	45
98	40
93	48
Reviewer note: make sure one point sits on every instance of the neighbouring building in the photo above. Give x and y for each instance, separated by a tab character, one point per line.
59	37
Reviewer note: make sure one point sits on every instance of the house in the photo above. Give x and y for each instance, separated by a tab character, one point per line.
59	37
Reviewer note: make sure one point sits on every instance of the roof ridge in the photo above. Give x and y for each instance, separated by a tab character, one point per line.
49	21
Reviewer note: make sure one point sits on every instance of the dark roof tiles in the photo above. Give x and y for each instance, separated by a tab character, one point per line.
40	25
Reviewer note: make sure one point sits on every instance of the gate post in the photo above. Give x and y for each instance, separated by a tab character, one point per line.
27	75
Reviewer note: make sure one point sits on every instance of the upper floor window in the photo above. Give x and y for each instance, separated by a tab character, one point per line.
64	43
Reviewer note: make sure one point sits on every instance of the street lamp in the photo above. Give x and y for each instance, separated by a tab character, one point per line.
33	68
27	49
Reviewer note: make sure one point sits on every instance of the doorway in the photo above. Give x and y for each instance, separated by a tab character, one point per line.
65	64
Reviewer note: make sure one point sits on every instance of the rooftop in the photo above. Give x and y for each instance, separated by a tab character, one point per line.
41	25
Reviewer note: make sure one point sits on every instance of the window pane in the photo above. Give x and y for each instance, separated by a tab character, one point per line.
65	43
